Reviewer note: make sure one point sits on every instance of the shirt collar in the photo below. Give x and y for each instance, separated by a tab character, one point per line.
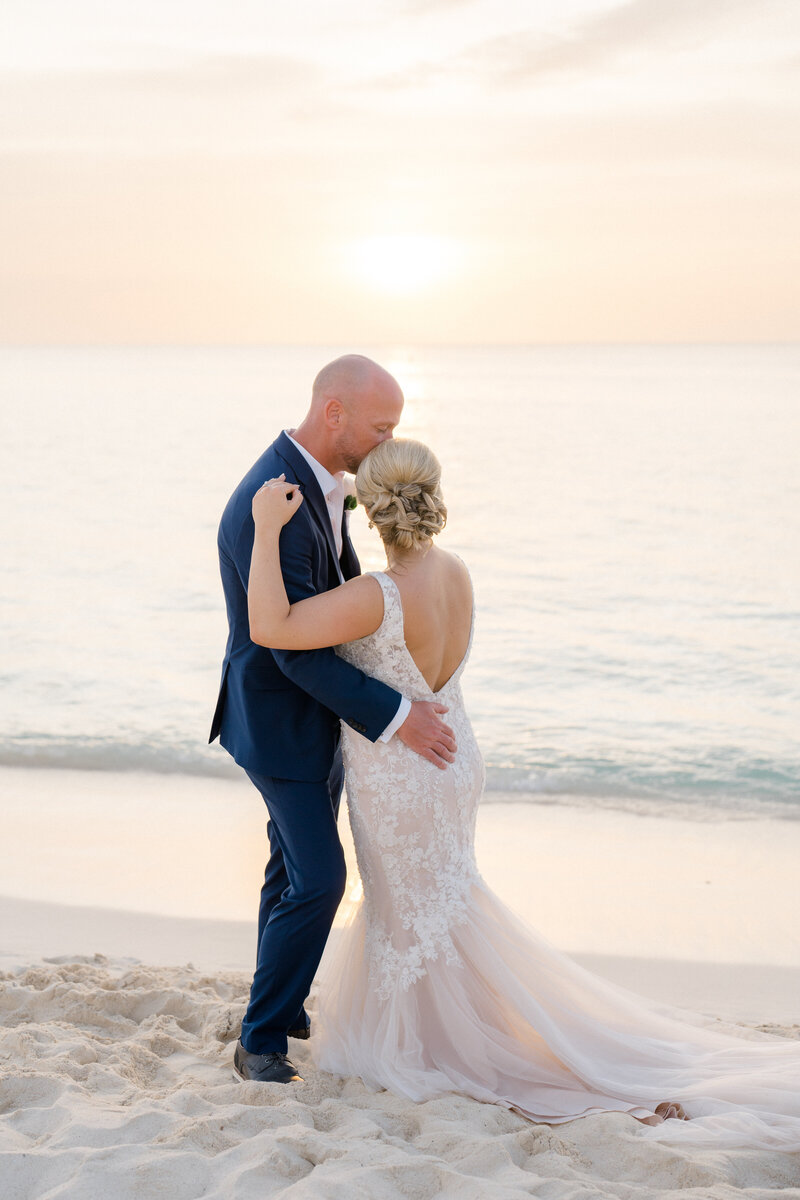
328	483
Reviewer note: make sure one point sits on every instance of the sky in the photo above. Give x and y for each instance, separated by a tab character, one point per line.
399	171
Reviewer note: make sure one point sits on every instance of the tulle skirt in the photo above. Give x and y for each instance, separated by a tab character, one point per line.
509	1019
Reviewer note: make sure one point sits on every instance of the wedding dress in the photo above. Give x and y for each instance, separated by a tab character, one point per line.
435	986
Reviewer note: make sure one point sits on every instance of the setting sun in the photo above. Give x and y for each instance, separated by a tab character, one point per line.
402	263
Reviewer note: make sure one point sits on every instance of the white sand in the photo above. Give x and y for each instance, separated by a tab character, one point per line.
117	1083
115	1075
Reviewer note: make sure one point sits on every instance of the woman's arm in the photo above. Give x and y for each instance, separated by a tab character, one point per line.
341	615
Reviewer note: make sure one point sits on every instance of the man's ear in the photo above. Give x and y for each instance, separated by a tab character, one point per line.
333	412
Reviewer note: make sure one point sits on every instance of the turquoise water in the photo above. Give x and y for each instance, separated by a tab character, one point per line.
631	517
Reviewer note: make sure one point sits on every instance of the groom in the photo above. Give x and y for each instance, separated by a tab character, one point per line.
278	710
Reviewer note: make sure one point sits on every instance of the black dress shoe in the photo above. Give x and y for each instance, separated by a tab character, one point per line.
264	1068
302	1034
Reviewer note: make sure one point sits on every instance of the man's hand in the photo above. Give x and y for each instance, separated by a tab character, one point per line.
425	732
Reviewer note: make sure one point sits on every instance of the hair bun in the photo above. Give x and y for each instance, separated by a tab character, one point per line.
398	484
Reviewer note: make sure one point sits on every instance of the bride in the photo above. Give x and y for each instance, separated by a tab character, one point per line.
436	986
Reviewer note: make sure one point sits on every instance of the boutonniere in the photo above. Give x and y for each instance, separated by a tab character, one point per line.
350	502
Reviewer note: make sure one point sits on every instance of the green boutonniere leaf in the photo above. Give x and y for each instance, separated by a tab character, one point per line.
350	503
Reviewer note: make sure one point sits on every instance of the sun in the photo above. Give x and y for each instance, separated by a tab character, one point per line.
404	263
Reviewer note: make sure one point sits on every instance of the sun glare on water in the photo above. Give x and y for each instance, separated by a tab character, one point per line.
404	263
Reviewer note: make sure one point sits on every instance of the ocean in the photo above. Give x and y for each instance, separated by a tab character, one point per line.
630	515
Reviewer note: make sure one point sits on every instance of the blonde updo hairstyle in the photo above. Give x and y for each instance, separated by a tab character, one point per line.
398	484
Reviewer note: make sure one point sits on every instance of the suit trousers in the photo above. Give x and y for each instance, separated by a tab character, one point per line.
303	886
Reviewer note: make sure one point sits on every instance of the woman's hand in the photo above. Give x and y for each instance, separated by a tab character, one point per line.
275	503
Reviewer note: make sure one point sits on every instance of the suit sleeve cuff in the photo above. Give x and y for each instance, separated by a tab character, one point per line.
399	717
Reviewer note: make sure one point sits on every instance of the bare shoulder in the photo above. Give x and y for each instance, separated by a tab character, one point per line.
363	588
451	585
345	613
456	571
359	605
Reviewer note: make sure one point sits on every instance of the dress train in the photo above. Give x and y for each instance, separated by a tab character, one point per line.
436	986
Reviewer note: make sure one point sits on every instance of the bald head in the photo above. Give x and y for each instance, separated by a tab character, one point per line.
348	378
355	405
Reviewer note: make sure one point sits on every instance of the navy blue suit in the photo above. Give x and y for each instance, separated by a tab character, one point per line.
278	716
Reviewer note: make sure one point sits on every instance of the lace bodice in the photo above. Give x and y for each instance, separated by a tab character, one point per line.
415	886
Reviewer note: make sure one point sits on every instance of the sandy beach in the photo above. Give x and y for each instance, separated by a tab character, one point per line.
123	989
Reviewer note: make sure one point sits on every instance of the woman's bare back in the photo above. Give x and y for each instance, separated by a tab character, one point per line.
436	595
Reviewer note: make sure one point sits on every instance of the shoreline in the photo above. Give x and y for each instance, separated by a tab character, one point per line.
38	933
592	881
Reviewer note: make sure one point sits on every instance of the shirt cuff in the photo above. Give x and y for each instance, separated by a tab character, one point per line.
399	718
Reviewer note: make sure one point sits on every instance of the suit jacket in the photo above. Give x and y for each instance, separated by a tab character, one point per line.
278	710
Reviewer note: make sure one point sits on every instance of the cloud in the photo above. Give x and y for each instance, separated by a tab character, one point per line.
227	99
423	7
639	27
229	73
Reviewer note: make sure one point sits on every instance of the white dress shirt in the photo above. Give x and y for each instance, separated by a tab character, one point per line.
333	489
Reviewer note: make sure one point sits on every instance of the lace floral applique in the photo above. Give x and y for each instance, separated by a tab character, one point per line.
416	886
